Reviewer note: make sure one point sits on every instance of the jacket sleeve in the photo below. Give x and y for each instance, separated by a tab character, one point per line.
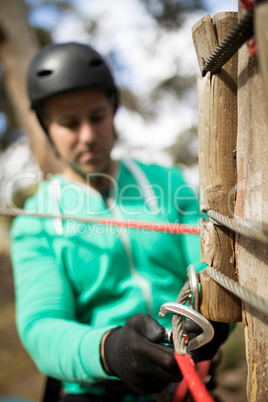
45	310
187	201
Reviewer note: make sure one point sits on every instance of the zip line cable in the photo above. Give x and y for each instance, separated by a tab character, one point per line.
250	229
237	36
244	227
240	291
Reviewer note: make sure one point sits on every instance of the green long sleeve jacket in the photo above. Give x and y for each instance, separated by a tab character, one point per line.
75	280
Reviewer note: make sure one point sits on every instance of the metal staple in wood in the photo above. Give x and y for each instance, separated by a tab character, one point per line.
237	36
252	230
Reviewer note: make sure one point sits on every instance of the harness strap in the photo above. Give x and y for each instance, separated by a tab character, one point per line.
52	390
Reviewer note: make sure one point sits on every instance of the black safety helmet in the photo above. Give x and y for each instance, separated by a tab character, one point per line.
67	67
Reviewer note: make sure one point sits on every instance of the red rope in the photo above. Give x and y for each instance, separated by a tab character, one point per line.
174	228
182	388
196	386
166	227
252	45
248	4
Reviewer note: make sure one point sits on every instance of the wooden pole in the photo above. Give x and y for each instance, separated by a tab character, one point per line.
261	32
217	114
252	199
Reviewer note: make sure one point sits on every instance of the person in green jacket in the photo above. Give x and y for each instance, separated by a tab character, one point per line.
88	295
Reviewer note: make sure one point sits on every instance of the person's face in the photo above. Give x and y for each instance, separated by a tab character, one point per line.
80	125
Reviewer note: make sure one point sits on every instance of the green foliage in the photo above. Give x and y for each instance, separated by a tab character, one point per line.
170	14
60	5
175	85
131	101
183	150
43	35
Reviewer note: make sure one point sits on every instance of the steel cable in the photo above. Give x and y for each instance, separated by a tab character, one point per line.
178	339
245	227
237	36
240	291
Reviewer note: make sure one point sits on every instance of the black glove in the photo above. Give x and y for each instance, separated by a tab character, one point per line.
209	350
134	354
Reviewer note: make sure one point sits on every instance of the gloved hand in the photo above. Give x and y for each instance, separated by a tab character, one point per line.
134	354
209	350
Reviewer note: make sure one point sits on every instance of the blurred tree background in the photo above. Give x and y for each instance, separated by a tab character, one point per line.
23	147
19	26
26	26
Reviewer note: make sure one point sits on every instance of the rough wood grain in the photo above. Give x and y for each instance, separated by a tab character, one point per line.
217	114
252	201
261	33
204	39
216	245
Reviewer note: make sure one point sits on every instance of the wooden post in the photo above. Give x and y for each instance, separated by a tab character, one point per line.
252	199
261	32
217	114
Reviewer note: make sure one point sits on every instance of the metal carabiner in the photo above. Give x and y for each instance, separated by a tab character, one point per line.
194	285
208	330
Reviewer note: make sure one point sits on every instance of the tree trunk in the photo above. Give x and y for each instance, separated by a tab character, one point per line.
18	45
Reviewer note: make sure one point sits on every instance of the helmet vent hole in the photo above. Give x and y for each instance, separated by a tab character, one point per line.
96	63
44	73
